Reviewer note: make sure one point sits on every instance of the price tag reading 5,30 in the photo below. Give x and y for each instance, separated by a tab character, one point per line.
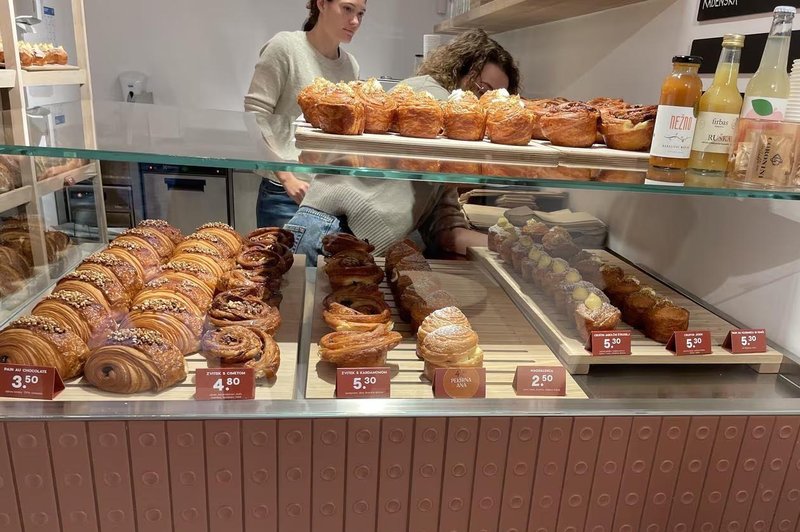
363	383
229	384
690	343
609	343
752	341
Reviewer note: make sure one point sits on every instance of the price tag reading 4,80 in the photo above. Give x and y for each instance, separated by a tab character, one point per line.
363	383
230	384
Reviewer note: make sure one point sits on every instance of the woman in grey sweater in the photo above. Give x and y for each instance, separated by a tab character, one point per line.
384	211
290	61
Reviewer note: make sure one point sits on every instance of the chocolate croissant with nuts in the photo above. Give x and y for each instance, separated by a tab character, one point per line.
41	341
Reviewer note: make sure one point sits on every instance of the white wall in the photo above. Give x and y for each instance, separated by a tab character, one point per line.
201	53
740	255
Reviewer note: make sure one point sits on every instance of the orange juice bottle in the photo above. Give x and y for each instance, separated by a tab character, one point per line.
675	124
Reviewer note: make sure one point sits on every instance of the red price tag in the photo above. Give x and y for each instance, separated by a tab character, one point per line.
229	384
363	383
459	383
29	382
541	381
741	341
690	343
609	343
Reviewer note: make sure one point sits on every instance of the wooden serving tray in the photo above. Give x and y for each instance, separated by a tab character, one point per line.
280	388
599	155
507	339
560	333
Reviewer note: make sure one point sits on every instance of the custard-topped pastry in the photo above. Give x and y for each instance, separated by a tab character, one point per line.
464	117
629	128
380	107
509	122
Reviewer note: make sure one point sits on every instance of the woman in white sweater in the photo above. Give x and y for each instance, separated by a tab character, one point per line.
290	61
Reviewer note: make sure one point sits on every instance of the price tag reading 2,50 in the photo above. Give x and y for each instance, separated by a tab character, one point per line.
541	381
363	383
229	384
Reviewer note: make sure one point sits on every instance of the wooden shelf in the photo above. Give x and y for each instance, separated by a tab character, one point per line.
8	78
72	177
499	16
15	198
54	77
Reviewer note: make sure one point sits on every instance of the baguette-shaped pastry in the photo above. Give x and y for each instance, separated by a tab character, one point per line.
77	312
451	346
420	117
245	347
663	319
464	117
41	341
595	315
340	111
354	349
135	361
176	322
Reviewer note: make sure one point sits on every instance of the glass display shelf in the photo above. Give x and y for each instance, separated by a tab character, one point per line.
237	140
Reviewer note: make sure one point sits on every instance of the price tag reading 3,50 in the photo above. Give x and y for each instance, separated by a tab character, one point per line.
685	343
363	383
229	384
741	342
29	382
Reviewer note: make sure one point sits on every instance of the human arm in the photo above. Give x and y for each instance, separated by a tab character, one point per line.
269	78
447	229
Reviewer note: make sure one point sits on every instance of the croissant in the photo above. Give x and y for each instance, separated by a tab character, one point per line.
341	318
509	122
207	240
228	309
452	346
225	232
124	271
347	271
438	319
77	312
379	106
103	288
204	262
595	315
242	346
629	128
308	97
163	227
161	243
355	349
269	259
11	281
41	341
336	243
340	111
464	117
367	299
420	117
636	305
239	278
142	256
267	235
202	273
663	320
558	243
571	124
208	253
16	261
135	361
177	322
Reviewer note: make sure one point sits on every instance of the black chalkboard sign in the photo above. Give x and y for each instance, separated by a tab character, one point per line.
710	50
714	9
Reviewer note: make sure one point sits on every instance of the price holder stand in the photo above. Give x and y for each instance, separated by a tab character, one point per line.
29	382
741	342
459	383
226	384
363	383
609	343
684	343
536	381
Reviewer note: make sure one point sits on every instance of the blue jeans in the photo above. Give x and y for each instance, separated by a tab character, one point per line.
274	207
309	227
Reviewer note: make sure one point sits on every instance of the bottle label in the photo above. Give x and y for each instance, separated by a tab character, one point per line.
674	131
763	108
714	132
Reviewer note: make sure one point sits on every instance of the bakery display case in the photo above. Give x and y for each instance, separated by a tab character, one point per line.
134	322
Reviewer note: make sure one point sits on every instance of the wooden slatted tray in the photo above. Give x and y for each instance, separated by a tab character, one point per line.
280	388
560	333
507	339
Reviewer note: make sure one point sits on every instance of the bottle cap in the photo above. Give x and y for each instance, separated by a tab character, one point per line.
786	9
733	39
690	59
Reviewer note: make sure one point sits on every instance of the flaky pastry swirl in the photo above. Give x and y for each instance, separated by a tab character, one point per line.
571	124
349	349
420	117
509	122
265	235
464	117
380	107
41	341
452	346
367	299
229	309
341	318
340	111
308	97
441	318
243	346
269	259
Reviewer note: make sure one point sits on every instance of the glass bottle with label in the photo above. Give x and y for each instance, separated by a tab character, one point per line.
767	94
718	112
675	124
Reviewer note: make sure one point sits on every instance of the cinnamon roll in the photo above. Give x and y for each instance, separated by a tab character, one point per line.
336	243
225	232
464	117
185	287
341	318
509	122
142	256
161	243
452	346
103	288
135	361
262	292
267	235
341	112
240	278
228	309
420	117
571	124
81	314
539	108
164	227
125	272
629	128
367	299
354	349
41	341
178	323
268	259
202	273
352	268
380	108
242	346
308	97
209	241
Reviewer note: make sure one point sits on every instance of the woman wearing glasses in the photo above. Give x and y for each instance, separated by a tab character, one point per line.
384	211
290	61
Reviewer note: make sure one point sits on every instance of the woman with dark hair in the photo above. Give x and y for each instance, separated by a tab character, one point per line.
289	62
384	211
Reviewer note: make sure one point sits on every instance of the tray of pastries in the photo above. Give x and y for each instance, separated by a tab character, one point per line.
569	292
135	320
413	316
40	56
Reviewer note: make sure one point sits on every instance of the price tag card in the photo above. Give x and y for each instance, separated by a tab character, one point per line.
740	341
609	343
459	383
548	381
690	343
228	384
363	383
29	382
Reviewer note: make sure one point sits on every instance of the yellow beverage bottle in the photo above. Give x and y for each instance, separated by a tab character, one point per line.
718	112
